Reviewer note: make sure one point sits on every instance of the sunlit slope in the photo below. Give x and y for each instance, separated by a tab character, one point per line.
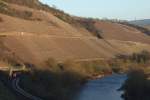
41	22
121	32
147	26
37	49
42	36
40	48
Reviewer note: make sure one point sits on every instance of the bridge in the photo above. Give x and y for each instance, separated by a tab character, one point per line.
13	70
15	80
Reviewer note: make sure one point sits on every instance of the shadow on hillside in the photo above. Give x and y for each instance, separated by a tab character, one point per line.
51	86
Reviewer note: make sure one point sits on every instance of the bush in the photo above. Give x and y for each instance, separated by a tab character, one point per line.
123	63
5	9
89	24
74	67
137	86
37	5
61	79
29	3
53	65
1	20
5	93
51	85
88	69
26	14
141	57
13	12
2	5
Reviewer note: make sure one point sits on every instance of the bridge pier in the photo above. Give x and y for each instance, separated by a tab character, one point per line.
10	72
13	71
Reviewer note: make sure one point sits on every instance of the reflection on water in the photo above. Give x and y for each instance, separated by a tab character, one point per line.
102	89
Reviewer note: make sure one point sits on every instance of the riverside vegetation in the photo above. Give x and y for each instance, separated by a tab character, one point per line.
137	86
62	80
5	93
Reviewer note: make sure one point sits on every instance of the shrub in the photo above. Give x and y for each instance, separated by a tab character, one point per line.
20	14
5	92
37	5
141	57
89	24
48	85
137	86
61	79
29	3
13	12
2	5
53	65
123	63
1	20
27	14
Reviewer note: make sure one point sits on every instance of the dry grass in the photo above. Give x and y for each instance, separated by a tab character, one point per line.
62	41
1	20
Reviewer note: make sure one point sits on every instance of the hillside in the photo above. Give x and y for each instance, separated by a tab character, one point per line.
121	32
147	26
32	34
143	22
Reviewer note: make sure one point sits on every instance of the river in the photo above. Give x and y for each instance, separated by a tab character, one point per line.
102	89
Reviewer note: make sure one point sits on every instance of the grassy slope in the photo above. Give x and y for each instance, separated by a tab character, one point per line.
57	38
148	26
35	4
37	45
122	32
63	41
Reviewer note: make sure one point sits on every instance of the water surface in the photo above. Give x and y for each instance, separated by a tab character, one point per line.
102	89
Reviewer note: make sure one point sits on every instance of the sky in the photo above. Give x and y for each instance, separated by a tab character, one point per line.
112	9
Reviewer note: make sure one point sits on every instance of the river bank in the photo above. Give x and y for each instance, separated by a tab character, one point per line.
105	88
